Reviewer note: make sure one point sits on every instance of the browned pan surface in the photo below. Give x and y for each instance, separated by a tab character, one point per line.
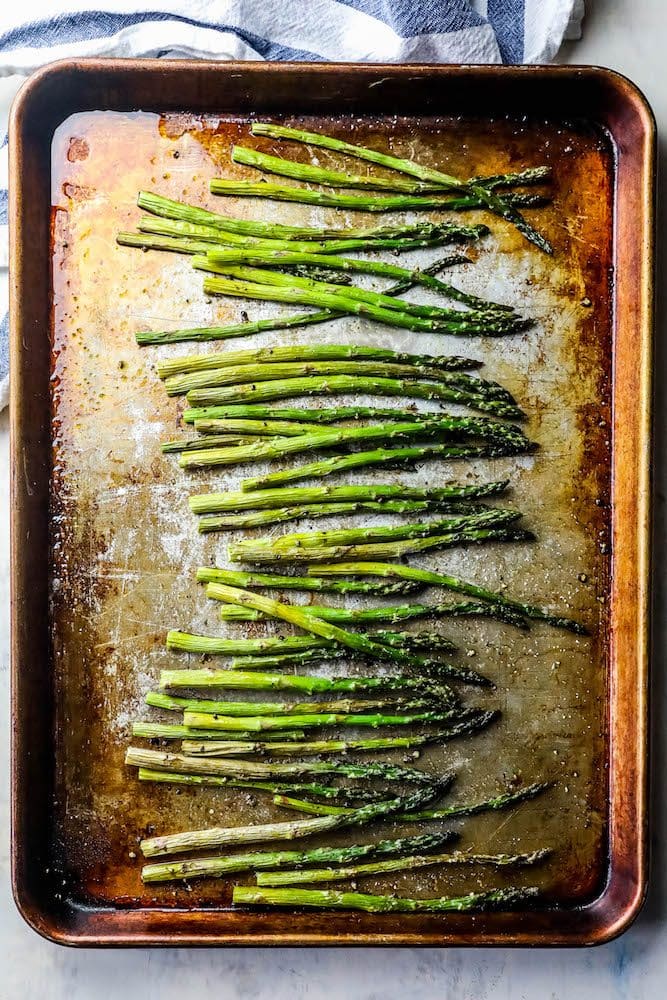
124	548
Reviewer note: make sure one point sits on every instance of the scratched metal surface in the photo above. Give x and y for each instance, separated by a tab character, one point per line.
125	548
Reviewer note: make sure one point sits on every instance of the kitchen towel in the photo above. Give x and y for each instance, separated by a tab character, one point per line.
430	31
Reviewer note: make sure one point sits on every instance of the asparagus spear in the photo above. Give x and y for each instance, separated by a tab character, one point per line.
484	316
256	428
407	612
281	514
504	444
433	641
209	780
216	867
494	804
380	456
199	240
482	313
240	680
211	503
282	322
320	414
330	178
169	731
385	533
161	760
155	241
331	899
325	262
409	863
167	208
306	352
196	444
309	623
476	427
156	699
183	237
450	583
282	645
408	640
463	674
382	550
304	659
333	300
529	176
261	723
215	645
199	333
178	385
363	203
214	574
471	723
319	385
488	317
491	201
215	837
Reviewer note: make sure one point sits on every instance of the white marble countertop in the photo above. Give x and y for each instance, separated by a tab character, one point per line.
629	37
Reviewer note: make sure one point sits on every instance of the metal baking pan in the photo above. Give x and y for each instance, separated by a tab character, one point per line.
99	571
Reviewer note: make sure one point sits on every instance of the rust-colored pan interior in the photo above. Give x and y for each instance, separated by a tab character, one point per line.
79	649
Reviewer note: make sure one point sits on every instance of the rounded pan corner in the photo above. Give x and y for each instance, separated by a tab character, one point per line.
628	91
616	909
38	918
45	93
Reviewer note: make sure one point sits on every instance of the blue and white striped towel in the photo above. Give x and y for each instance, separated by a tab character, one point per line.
430	31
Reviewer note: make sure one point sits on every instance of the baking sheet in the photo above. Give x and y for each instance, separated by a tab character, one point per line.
125	547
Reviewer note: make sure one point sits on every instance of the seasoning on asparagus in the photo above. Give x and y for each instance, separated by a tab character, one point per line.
211	378
348	794
185	238
279	258
364	203
211	503
478	388
494	516
407	612
408	863
170	209
282	322
309	623
217	836
209	441
472	721
330	899
259	724
382	550
434	642
170	731
332	178
447	425
496	803
306	352
216	867
495	204
254	519
450	583
332	297
387	457
250	581
157	699
257	681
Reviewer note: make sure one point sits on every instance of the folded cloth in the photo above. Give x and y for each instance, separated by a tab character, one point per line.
430	31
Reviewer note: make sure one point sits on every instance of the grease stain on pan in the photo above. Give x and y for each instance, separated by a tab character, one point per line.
125	547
